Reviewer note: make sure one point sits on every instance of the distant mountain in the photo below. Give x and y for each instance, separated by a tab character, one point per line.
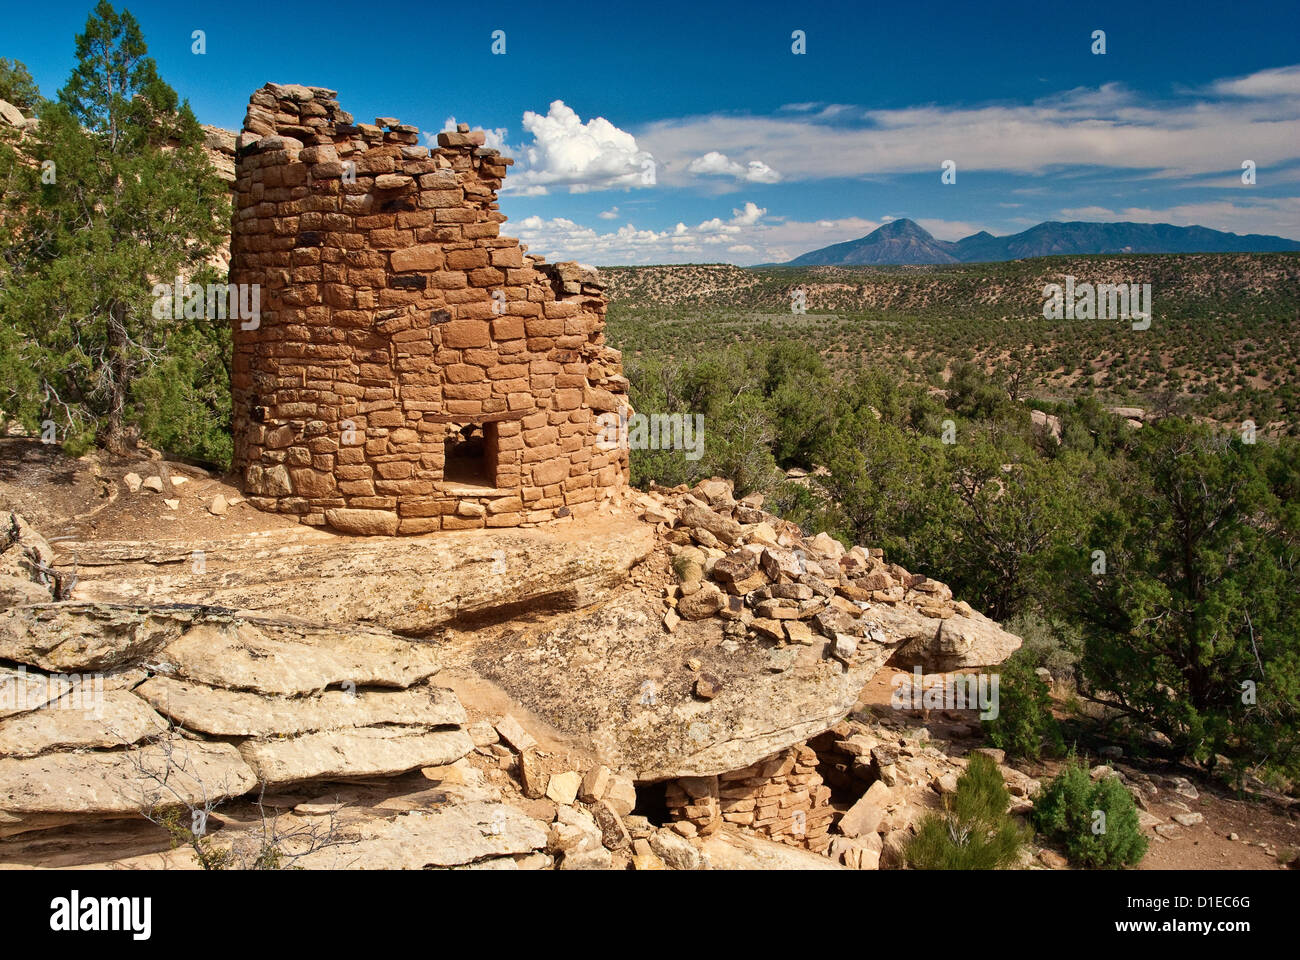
905	242
899	241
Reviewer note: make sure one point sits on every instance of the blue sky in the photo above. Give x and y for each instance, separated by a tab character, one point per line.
667	132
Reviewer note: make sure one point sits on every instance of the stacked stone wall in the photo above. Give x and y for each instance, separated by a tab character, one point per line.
781	797
396	324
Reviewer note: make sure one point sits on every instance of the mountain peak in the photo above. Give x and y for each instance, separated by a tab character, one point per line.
898	241
904	241
902	227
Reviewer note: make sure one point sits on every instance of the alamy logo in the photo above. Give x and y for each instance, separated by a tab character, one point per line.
953	692
1101	302
20	691
658	431
1105	301
216	301
75	913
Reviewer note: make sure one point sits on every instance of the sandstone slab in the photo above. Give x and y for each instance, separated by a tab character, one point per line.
866	815
726	850
724	528
113	718
364	752
612	678
466	830
942	645
246	655
237	713
407	584
64	637
363	522
116	783
22	690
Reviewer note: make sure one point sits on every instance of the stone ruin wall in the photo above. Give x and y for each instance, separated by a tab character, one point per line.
781	798
395	323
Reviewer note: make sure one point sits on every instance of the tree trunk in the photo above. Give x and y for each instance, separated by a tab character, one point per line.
112	434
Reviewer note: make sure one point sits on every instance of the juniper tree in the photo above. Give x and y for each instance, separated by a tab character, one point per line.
1192	627
113	195
17	86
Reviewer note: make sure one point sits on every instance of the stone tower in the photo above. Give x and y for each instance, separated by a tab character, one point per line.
410	370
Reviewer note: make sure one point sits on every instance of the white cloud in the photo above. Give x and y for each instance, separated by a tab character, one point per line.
1279	216
749	236
716	225
584	157
821	109
1103	127
714	164
1089	213
756	171
948	229
610	214
1279	82
747	216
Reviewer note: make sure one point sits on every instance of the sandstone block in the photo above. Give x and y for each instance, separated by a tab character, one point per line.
362	522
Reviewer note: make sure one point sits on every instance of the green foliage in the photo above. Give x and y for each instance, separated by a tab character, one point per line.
268	855
18	87
1086	426
1011	508
1024	726
182	403
1192	630
984	513
805	504
972	394
919	324
1067	812
177	822
885	479
1049	641
801	416
123	198
974	831
746	403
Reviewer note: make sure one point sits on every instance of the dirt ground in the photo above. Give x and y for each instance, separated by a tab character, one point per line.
86	499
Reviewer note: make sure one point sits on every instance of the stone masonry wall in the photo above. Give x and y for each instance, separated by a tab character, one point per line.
781	797
397	327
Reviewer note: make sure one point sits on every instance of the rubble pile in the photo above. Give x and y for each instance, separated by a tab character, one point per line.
770	583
